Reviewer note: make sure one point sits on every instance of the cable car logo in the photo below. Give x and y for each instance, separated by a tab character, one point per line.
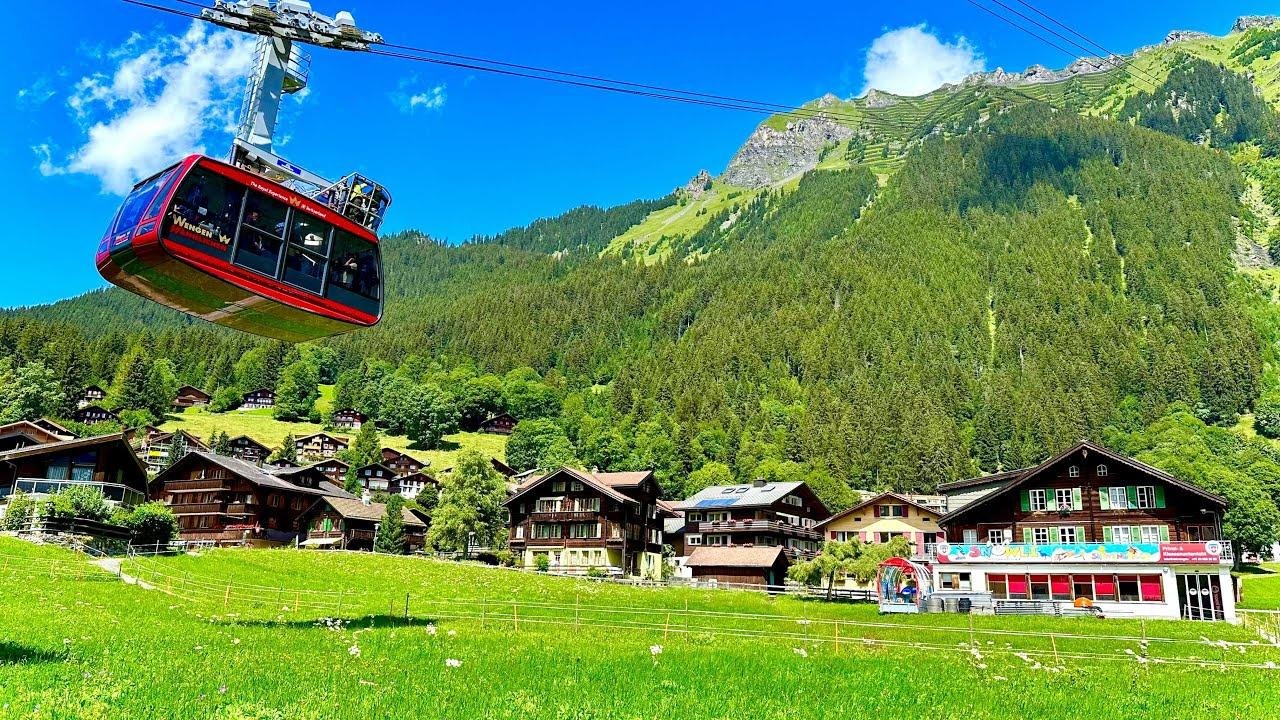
201	233
289	166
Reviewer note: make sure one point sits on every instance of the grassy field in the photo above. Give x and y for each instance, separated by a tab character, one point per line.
251	634
259	425
1260	589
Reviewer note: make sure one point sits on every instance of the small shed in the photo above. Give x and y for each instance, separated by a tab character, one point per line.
740	565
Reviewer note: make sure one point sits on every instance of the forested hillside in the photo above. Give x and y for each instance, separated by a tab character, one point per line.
1024	279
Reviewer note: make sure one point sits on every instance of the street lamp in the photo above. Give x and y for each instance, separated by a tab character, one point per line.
471	541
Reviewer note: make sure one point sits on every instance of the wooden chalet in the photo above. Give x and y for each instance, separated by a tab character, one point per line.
378	478
246	448
739	565
283	463
1091	523
578	520
22	433
191	396
334	469
224	500
413	484
503	469
349	419
759	514
401	463
54	428
105	461
93	414
320	445
351	524
155	448
258	399
883	517
501	424
91	395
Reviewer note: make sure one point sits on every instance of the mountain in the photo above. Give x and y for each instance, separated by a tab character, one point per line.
908	291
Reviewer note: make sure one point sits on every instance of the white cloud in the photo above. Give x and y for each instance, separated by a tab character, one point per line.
38	93
161	101
913	61
432	99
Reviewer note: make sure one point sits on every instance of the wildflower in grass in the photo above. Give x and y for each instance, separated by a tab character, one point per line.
451	633
655	649
803	622
800	651
431	629
354	651
235	641
1000	678
66	641
198	648
453	663
222	689
981	666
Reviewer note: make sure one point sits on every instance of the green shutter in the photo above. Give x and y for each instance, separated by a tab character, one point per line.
1135	534
1026	500
1027	536
1159	496
1080	534
1054	535
1164	533
1077	502
1131	492
1104	499
1107	535
1050	499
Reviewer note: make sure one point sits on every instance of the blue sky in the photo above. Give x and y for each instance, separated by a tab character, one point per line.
122	90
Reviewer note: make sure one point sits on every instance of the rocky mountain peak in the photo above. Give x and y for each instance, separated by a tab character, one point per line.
876	99
771	155
697	185
1247	22
1180	35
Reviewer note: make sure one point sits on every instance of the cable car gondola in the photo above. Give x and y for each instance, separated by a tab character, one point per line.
236	249
257	243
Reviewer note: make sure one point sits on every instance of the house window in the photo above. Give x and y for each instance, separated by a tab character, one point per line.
1067	535
549	505
717	517
885	537
999	537
273	500
584	530
1127	588
893	511
693	540
1150	533
766	540
793	500
695	517
557	486
843	536
1039	585
1118	497
955	581
545	531
717	540
1102	471
998	586
1146	496
1082	586
1040	535
1038	501
1073	471
1121	534
1063	496
971	536
1060	587
575	485
519	532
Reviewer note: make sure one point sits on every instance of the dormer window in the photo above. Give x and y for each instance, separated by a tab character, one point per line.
1074	471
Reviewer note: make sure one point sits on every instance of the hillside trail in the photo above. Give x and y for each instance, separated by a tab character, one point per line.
114	566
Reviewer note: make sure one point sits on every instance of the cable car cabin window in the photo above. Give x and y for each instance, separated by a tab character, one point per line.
354	273
261	234
135	206
204	213
308	248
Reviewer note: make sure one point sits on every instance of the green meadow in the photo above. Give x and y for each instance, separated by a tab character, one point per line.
264	634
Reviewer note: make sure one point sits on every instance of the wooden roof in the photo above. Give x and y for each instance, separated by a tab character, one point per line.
117	439
354	509
604	483
879	500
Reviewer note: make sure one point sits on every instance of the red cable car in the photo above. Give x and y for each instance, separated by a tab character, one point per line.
237	249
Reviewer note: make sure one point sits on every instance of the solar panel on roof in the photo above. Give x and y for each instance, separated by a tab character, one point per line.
716	502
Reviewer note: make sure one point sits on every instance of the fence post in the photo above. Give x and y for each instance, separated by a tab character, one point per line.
484	613
515	616
406	607
973	642
686	619
226	599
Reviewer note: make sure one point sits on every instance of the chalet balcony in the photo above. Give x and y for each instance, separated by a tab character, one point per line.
200	484
1214	552
759	526
114	493
241	508
565	516
196	508
612	536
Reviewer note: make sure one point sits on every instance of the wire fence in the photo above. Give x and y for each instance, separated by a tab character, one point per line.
234	602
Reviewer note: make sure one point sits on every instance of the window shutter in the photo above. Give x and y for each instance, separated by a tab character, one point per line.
1077	501
1027	536
875	511
1135	534
1107	535
1104	498
1026	500
1054	535
1131	492
1050	499
1080	534
1159	496
1164	533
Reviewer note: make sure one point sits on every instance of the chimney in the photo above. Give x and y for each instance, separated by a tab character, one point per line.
759	482
366	498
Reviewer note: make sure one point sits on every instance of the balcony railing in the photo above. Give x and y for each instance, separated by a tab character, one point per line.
763	526
195	508
115	493
1181	553
196	484
565	516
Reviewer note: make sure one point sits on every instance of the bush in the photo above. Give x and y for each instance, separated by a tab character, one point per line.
1266	415
151	523
542	563
18	512
595	571
79	501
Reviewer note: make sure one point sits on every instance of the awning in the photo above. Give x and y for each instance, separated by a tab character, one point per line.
312	542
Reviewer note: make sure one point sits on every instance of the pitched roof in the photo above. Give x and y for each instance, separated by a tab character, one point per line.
191	390
30	430
878	499
76	443
322	481
590	479
250	440
354	509
735	556
162	437
749	495
1094	447
335	438
377	466
268	477
1005	476
54	427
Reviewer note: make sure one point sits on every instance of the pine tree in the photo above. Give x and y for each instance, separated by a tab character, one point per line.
366	449
391	531
220	442
288	449
177	449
